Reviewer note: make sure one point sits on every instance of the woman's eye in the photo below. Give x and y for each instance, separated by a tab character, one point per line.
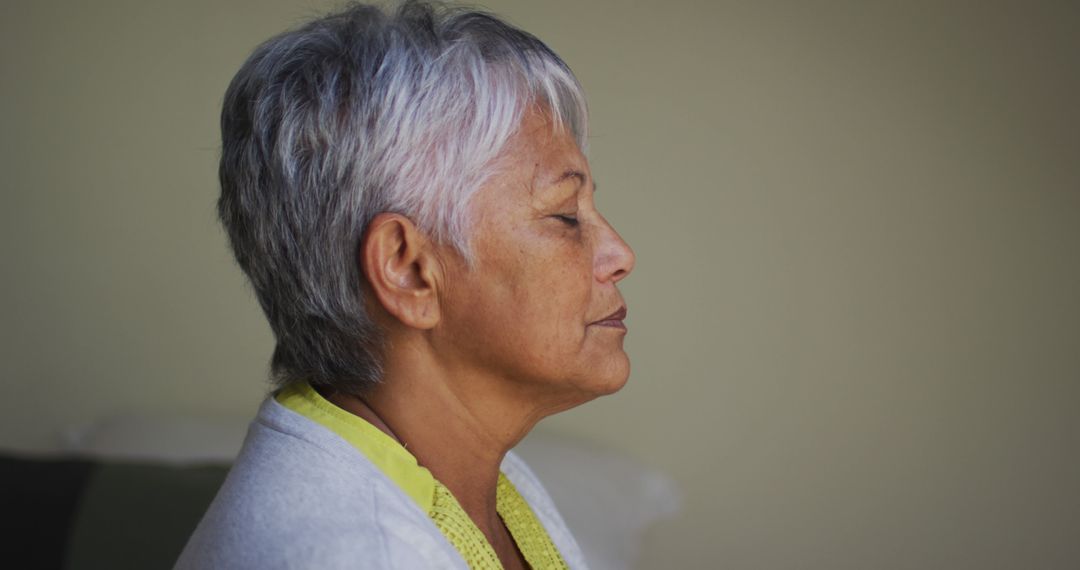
567	219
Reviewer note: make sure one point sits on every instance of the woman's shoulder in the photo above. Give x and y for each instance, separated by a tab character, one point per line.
299	498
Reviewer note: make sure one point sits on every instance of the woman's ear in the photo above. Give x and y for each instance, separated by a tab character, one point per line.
401	266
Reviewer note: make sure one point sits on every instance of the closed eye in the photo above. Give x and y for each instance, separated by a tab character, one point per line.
569	220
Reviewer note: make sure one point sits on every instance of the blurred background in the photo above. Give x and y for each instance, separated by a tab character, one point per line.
855	318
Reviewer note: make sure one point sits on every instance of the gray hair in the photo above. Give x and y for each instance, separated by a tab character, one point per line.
361	112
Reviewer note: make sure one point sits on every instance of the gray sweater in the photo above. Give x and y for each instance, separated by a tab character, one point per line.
299	496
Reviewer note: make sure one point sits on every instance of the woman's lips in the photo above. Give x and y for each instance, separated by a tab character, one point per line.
614	320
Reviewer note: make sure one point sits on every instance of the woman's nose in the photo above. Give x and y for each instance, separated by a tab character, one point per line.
614	258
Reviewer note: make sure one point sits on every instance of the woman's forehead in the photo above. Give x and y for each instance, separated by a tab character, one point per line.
549	154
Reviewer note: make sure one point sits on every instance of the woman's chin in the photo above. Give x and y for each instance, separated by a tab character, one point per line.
613	377
601	377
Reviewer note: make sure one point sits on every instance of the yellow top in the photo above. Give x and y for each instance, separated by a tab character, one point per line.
432	496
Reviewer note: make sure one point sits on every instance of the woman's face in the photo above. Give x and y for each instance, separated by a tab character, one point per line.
540	307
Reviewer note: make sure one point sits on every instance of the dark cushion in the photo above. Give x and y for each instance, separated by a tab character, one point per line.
92	514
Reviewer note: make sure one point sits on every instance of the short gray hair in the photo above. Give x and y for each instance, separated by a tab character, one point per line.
361	112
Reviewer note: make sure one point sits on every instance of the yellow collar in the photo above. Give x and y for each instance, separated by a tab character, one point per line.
386	453
433	497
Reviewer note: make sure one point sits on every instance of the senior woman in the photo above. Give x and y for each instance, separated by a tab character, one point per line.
408	194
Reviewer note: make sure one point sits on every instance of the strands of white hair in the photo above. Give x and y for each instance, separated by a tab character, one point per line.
357	113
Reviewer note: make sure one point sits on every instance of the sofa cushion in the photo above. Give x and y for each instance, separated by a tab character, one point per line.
88	514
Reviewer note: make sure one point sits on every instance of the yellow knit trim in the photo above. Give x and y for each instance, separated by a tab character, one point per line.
432	496
529	535
460	530
384	451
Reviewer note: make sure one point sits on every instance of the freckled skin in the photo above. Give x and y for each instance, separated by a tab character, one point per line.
525	313
475	356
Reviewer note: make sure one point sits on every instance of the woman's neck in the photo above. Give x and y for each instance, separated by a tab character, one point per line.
458	426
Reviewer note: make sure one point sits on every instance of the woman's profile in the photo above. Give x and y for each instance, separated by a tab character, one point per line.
408	194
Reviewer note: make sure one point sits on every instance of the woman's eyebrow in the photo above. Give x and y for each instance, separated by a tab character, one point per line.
571	173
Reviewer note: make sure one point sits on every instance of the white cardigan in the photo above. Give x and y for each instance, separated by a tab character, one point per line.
299	496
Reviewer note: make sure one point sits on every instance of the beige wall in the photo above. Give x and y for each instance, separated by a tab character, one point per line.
855	320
